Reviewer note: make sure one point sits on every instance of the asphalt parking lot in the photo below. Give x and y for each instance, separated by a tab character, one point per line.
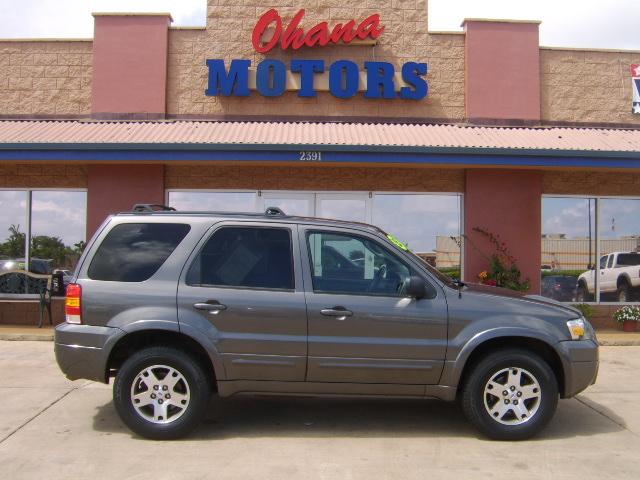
52	428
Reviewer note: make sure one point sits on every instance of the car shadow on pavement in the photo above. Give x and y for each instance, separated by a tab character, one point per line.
251	417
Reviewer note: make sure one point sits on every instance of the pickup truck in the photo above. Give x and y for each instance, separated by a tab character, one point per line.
619	276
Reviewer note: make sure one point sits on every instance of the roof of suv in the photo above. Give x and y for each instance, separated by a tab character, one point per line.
271	214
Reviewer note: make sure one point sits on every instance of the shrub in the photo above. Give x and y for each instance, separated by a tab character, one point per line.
627	314
587	310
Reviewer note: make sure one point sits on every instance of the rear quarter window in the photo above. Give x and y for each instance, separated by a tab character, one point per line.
133	252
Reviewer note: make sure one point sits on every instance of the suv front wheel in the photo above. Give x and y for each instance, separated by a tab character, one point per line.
510	395
161	393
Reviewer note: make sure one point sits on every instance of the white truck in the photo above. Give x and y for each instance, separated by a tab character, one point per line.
619	276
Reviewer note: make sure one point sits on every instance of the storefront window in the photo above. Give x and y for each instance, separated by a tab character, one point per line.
42	231
213	201
428	224
58	228
351	208
13	222
300	204
619	229
591	249
568	249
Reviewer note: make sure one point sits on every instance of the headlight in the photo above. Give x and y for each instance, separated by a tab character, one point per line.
579	329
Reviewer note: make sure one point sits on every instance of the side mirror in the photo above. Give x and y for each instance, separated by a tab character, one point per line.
416	288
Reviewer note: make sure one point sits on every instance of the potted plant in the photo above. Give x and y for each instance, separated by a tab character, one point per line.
629	317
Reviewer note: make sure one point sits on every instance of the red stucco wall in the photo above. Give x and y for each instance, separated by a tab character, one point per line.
130	65
116	188
507	203
502	70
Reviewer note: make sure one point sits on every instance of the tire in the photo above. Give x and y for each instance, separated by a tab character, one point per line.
623	294
509	417
174	402
583	294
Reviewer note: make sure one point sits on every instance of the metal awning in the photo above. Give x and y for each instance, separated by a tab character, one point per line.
342	142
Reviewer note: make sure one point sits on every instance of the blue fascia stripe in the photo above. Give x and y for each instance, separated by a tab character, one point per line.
387	157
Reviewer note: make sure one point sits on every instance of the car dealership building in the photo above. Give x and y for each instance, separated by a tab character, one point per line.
358	113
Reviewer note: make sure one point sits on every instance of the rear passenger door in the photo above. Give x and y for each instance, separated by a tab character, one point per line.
243	287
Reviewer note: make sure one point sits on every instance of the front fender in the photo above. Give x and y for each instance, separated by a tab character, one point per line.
461	347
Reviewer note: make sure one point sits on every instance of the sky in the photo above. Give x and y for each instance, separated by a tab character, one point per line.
56	214
618	217
566	23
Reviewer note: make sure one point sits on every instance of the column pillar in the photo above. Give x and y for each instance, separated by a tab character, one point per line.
506	203
116	188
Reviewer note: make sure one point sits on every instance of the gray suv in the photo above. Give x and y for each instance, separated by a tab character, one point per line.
179	305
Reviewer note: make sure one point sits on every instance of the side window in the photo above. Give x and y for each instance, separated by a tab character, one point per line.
133	252
342	263
250	257
603	262
610	264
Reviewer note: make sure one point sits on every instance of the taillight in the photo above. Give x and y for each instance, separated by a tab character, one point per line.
72	305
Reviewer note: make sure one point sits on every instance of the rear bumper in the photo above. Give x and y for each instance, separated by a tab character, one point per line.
82	351
581	363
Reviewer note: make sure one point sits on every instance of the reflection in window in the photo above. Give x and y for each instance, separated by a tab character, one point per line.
568	249
428	224
13	223
619	235
346	264
56	237
213	201
58	229
245	257
133	252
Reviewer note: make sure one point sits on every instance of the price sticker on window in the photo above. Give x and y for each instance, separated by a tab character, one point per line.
397	242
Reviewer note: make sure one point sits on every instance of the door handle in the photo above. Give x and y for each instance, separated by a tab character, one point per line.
340	313
211	306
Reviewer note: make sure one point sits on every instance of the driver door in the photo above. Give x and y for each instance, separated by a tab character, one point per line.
362	329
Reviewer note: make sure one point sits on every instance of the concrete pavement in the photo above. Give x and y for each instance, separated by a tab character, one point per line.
52	428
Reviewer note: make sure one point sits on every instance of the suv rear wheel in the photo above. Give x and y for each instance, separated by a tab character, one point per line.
510	395
161	393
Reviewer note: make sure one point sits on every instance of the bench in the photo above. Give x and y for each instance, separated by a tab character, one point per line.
22	282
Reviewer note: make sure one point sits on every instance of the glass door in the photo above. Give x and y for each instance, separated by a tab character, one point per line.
353	207
299	204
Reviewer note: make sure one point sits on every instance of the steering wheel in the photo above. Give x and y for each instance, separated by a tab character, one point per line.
377	278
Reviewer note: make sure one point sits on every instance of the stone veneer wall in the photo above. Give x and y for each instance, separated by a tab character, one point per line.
39	175
258	177
228	36
587	86
48	78
591	183
53	77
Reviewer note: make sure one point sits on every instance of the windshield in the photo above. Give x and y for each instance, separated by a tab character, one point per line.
447	280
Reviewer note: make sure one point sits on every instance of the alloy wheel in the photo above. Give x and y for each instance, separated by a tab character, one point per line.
512	396
160	394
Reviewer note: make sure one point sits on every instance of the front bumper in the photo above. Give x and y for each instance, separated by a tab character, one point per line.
581	363
82	351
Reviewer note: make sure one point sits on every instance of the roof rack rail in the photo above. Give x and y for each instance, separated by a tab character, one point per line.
273	212
151	207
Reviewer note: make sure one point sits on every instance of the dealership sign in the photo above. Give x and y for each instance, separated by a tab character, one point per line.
343	78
